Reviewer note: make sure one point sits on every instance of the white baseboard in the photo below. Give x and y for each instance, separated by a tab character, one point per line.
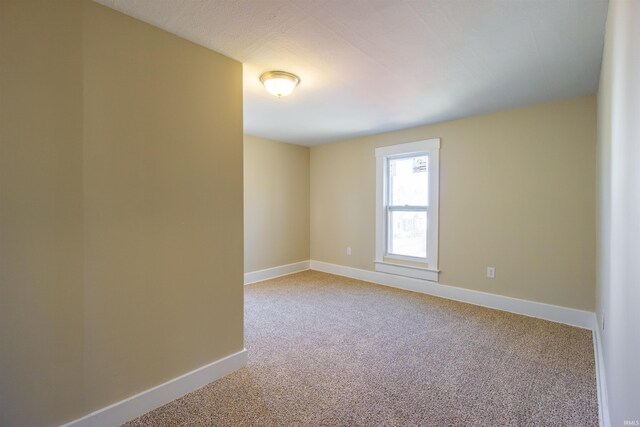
601	383
271	273
141	403
554	313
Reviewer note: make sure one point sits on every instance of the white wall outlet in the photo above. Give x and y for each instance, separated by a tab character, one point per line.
349	250
491	272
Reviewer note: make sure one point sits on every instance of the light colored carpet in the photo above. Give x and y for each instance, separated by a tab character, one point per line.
325	350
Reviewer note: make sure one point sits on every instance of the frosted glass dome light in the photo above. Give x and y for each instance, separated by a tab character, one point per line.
279	83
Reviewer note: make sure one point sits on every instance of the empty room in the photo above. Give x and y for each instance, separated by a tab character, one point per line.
319	213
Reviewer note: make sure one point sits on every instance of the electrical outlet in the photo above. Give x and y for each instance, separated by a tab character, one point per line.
349	250
491	272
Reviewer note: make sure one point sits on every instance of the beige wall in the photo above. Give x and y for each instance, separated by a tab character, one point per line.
121	209
618	295
517	192
41	288
163	206
276	198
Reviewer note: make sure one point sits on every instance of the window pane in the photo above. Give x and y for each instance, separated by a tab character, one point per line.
408	233
409	181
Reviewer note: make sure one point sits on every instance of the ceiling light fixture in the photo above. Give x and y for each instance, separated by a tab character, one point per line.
279	83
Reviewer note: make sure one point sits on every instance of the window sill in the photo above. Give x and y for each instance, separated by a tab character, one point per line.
407	271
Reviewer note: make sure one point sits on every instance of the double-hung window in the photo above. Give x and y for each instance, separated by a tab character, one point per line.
407	209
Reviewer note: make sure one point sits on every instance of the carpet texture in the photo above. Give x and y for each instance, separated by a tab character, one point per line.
325	350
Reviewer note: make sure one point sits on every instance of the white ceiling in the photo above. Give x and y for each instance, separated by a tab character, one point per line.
373	66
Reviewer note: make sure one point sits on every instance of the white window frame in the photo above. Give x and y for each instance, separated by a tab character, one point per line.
419	268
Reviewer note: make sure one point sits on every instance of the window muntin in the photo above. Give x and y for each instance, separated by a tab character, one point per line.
407	209
406	205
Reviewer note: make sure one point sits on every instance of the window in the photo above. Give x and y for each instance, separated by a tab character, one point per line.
407	209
